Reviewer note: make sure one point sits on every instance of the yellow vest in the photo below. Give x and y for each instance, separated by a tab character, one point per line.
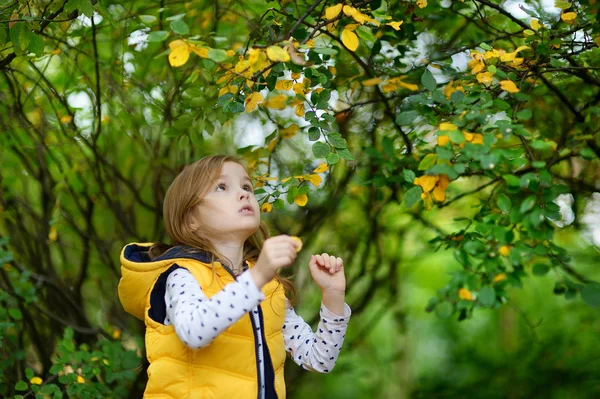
226	368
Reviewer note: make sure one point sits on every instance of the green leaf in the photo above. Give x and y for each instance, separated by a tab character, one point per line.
524	115
148	19
20	36
21	386
409	175
320	149
591	294
511	180
336	140
412	196
428	80
180	27
158	36
332	159
15	314
504	203
83	6
217	55
406	118
540	269
487	297
345	154
444	310
36	45
456	136
527	204
428	161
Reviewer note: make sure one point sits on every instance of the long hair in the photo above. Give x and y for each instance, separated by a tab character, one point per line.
184	195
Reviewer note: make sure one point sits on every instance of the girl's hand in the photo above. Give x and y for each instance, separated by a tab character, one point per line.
277	252
328	273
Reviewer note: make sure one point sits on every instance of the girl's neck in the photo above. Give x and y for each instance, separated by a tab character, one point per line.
234	252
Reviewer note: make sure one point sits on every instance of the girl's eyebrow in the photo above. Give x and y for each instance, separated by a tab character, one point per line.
227	176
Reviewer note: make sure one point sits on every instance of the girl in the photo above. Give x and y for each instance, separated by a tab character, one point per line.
218	324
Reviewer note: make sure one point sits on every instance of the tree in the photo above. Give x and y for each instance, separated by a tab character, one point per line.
470	120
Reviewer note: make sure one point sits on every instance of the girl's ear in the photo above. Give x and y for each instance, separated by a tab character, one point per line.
193	222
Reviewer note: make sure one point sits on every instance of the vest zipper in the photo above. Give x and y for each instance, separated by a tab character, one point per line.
264	342
267	355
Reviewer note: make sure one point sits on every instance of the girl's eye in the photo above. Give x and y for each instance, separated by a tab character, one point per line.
221	186
248	188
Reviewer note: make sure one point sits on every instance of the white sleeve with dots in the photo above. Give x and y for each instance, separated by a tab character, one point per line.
315	351
197	319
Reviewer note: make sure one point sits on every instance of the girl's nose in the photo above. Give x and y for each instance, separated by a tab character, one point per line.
244	194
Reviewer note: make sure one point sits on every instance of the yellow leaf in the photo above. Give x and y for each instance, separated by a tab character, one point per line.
289	131
564	5
266	207
506	57
371	82
56	52
491	54
230	53
36	381
568	17
277	54
388	87
597	41
350	39
468	136
296	75
360	17
445	126
301	200
465	294
476	66
484	77
499	277
443	140
477	138
396	24
321	168
179	55
528	32
517	61
427	201
315	180
439	194
535	24
300	110
256	57
53	234
283	85
276	102
504	250
521	48
333	11
253	100
177	43
286	179
80	379
422	3
509	86
409	86
443	182
202	52
66	119
427	182
349	10
116	334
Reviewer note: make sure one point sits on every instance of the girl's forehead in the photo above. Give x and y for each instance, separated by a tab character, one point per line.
233	169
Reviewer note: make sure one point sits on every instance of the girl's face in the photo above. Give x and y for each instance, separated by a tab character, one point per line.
230	210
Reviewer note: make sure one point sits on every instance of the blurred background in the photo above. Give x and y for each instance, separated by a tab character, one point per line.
487	289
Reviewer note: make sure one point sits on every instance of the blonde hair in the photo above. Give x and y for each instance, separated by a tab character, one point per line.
184	195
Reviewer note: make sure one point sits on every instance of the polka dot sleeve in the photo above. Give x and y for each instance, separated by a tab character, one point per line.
315	351
197	319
